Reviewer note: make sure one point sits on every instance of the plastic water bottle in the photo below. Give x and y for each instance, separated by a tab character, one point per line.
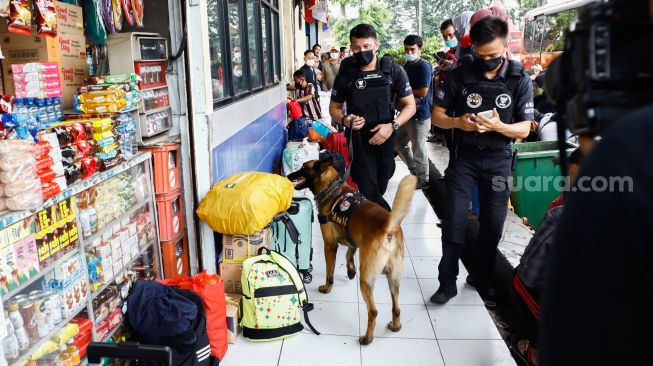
42	113
33	111
52	114
57	109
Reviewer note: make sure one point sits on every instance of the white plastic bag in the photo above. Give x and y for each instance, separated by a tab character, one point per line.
297	153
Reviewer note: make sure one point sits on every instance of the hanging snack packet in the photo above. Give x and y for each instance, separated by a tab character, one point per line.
20	17
107	15
117	14
4	8
127	11
46	18
138	8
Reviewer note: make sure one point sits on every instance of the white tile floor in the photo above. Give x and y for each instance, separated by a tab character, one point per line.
458	334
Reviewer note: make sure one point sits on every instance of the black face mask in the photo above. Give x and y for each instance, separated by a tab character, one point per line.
298	86
488	65
363	58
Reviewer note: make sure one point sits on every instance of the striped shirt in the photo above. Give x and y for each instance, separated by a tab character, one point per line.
311	109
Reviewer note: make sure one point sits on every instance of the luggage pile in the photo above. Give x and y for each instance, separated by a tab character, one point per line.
265	255
317	141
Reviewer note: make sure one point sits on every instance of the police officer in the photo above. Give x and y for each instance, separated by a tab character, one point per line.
488	102
369	85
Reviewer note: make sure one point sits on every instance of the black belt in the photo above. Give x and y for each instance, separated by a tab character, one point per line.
483	147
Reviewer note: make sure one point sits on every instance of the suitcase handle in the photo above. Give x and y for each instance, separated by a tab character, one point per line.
129	351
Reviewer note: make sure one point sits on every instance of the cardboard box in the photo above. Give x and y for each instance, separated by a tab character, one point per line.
233	315
237	248
69	18
231	273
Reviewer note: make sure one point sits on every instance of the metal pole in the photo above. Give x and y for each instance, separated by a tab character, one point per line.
419	17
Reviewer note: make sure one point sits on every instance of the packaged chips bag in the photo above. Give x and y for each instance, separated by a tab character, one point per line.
45	17
20	17
4	8
103	96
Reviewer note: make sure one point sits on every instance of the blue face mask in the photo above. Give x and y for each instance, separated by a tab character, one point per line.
410	57
451	43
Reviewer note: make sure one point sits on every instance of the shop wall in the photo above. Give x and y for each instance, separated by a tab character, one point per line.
294	39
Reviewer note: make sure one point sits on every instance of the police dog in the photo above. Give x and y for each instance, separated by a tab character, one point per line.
372	229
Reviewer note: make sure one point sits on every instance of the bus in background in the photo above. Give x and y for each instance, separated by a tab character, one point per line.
544	30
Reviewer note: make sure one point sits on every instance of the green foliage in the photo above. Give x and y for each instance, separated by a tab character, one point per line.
432	45
375	13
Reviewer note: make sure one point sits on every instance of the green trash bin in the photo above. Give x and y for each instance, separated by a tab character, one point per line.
537	181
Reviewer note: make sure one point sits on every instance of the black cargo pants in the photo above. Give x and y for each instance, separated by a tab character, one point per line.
491	170
373	166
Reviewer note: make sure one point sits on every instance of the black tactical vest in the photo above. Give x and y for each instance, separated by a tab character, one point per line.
480	95
370	93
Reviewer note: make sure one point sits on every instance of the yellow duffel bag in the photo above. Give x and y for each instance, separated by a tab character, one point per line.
245	203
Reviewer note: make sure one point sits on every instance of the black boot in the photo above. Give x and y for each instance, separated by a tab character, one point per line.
485	289
444	294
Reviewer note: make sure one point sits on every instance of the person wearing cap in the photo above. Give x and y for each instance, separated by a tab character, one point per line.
487	102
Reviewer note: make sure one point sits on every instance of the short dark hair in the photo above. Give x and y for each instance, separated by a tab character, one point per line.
362	31
414	39
446	24
299	74
488	29
316	45
307	52
343	49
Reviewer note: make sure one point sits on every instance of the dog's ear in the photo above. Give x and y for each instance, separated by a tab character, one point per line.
326	162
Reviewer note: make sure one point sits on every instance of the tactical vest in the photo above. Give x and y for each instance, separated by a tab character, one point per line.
342	210
370	93
480	95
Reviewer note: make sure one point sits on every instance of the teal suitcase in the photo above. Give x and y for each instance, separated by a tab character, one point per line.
296	223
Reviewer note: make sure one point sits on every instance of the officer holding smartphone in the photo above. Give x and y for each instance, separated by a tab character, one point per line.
488	102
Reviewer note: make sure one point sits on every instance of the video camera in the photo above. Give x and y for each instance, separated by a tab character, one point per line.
605	70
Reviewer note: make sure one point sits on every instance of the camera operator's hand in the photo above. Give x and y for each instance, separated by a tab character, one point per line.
354	122
382	133
466	122
489	124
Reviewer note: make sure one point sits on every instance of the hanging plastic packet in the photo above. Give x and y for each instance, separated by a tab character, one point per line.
46	18
4	8
138	8
117	14
94	23
107	15
127	11
20	17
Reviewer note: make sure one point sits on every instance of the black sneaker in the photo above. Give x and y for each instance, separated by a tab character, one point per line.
486	289
444	294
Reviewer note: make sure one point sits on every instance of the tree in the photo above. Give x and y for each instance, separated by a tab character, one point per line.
375	13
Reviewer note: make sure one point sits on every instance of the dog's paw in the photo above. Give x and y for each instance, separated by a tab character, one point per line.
393	328
325	289
363	340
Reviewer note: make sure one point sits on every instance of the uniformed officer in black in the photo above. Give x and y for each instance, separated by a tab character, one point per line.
482	149
370	85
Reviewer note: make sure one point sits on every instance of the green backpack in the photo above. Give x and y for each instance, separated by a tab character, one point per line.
274	298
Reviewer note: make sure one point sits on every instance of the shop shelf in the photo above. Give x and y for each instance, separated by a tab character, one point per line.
160	109
23	359
112	333
39	275
10	218
135	208
104	287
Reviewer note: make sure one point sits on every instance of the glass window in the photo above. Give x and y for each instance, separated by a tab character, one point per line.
276	47
236	43
267	40
254	44
216	49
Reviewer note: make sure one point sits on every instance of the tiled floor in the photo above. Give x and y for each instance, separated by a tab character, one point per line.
458	334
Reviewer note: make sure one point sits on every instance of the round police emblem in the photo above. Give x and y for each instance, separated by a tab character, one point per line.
503	101
361	84
344	206
474	100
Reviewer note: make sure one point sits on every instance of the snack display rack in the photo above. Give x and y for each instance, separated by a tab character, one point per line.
67	204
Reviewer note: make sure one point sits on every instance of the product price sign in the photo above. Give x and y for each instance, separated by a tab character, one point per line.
56	231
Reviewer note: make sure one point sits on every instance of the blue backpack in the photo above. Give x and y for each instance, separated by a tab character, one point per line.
297	129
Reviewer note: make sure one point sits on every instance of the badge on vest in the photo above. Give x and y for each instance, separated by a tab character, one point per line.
474	100
361	84
344	206
503	101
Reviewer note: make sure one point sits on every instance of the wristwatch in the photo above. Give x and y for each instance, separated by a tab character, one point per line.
395	126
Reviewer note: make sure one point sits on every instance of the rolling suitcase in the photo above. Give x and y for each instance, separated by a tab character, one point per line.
292	236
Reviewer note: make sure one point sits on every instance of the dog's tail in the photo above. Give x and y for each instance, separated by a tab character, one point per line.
402	202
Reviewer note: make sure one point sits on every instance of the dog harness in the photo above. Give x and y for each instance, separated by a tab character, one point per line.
341	211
